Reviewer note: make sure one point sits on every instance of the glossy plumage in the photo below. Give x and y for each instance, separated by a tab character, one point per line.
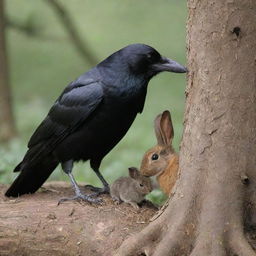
91	116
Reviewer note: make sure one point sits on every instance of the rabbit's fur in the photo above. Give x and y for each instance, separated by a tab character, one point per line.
161	160
131	189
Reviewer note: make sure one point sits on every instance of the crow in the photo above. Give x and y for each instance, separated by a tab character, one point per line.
90	117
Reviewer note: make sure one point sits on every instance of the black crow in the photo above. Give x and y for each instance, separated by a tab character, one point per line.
90	117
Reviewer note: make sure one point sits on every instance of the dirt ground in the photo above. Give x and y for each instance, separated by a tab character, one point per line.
36	225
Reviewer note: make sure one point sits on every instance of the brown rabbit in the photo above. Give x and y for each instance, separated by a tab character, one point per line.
161	160
131	189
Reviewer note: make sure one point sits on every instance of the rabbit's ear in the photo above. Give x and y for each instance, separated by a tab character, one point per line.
164	129
133	172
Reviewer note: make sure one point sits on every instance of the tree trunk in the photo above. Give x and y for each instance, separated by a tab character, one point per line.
212	208
35	225
7	128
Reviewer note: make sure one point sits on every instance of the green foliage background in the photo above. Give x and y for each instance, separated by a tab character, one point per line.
40	67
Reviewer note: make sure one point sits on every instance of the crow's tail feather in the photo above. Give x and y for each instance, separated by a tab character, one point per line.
31	178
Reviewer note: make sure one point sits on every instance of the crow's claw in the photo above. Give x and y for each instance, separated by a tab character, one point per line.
87	198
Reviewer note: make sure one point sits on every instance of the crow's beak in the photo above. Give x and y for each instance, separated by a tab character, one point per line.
169	65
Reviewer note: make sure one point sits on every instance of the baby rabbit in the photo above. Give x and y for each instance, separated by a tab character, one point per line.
161	160
131	189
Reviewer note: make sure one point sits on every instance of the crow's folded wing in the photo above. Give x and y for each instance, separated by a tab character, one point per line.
73	107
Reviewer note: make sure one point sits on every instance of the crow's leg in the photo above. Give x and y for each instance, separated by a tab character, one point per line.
67	168
98	191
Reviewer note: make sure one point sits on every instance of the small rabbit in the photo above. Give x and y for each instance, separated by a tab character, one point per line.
131	189
161	160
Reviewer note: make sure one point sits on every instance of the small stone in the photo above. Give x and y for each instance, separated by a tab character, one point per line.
51	216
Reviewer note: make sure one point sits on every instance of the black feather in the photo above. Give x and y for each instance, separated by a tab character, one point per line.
90	117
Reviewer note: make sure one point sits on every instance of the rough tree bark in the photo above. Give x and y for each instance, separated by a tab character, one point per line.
212	208
35	225
7	127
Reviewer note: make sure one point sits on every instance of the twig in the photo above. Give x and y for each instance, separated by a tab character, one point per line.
68	24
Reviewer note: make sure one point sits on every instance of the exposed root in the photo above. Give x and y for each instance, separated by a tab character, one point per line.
170	246
139	243
162	237
239	245
209	248
156	240
234	244
213	232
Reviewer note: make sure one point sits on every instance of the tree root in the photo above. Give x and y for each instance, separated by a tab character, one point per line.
160	240
178	231
239	245
155	238
139	243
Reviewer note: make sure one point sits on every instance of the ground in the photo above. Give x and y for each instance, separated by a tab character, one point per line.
36	225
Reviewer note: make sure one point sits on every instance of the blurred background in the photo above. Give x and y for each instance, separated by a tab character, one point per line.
49	43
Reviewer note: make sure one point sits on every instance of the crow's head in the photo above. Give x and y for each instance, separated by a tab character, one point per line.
138	59
143	59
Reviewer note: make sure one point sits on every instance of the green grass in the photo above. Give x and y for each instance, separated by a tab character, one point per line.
40	69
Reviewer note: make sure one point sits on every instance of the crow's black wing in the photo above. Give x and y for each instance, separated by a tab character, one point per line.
73	107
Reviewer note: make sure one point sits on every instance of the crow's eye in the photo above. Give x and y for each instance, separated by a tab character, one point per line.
150	57
154	157
153	57
141	185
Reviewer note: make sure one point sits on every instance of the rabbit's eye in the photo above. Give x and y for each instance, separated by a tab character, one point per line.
154	157
141	185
